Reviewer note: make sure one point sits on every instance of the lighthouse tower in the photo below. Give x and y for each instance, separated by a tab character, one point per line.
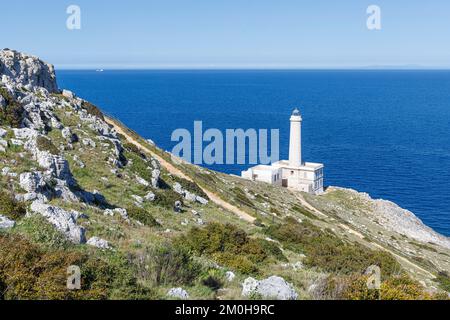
295	144
293	173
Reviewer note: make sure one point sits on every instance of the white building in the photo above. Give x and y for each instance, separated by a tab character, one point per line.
292	173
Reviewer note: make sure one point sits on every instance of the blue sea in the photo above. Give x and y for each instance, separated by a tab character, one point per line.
386	133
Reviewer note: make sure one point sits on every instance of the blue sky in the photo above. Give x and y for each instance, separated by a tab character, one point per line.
230	33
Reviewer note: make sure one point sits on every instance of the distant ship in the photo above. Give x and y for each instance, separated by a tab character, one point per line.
99	70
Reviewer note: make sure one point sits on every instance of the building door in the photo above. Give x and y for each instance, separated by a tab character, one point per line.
284	183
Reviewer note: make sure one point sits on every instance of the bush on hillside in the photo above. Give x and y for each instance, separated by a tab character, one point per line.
92	110
11	208
142	216
29	272
327	252
231	246
165	265
11	115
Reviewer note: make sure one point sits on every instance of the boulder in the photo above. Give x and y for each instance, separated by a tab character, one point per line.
68	135
156	173
6	223
178	207
2	101
32	181
142	181
230	276
178	293
271	288
122	212
25	133
64	221
138	200
3	132
3	145
150	197
98	243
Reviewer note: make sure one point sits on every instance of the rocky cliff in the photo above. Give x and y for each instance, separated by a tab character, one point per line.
79	188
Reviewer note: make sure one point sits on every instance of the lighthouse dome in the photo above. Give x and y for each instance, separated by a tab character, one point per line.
296	112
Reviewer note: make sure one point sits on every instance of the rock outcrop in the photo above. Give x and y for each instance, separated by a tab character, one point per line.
98	243
271	288
178	293
64	221
6	223
28	71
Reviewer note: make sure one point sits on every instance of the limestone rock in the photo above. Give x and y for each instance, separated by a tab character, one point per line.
150	197
3	132
230	276
32	181
271	288
25	133
2	102
98	243
63	220
68	135
27	70
142	181
156	173
178	207
6	223
189	196
178	293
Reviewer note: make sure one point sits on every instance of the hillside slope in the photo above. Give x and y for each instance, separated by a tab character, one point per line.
79	188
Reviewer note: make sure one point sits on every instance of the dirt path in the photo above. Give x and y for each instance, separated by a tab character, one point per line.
177	172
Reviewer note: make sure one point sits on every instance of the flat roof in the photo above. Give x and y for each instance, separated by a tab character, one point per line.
306	165
264	167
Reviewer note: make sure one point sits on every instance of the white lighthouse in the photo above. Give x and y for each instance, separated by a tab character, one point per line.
293	173
295	142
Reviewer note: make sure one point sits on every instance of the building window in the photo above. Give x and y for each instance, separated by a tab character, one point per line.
292	173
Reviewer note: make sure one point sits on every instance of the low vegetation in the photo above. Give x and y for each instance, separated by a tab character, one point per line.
12	113
92	110
45	144
28	271
10	208
231	247
327	252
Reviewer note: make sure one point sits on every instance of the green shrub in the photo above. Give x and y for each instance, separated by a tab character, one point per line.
304	212
167	198
444	280
11	208
403	288
327	252
92	110
239	263
38	230
13	113
142	216
242	198
166	265
231	246
213	279
31	273
45	144
138	165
